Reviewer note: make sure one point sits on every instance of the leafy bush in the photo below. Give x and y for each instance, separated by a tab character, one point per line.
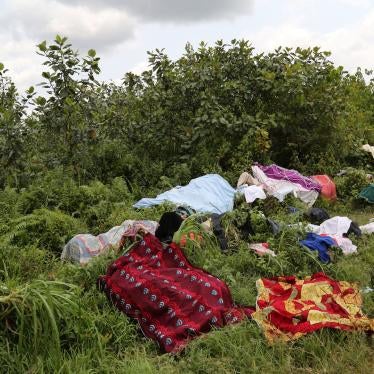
349	185
45	228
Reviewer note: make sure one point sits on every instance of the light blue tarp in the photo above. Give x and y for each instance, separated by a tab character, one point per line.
210	193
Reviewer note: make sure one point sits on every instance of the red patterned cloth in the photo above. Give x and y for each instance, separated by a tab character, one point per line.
288	308
172	300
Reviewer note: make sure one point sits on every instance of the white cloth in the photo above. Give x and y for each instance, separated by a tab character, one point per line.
368	148
252	193
262	249
345	244
281	188
333	226
368	228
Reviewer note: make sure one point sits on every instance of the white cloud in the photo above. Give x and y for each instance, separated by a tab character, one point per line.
122	30
86	28
174	10
351	46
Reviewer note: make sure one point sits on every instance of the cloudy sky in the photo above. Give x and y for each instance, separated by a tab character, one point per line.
122	31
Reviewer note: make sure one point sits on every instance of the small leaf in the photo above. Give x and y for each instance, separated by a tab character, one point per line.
1	66
43	46
91	53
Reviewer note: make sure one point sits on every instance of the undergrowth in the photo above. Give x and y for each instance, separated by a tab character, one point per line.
54	320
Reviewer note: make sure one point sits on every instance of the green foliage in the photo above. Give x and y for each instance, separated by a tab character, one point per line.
76	159
13	133
46	228
350	184
215	109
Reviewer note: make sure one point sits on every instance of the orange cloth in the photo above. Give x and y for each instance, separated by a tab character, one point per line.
328	186
191	236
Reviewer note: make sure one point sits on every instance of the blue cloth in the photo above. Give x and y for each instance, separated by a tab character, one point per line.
319	243
210	193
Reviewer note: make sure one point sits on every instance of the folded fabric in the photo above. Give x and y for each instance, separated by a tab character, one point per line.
319	243
210	193
253	192
281	188
172	300
328	190
368	193
277	172
288	308
83	247
262	249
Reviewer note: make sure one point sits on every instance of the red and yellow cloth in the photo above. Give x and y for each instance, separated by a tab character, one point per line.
288	308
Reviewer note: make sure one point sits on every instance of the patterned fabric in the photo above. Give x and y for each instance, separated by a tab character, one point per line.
83	247
277	172
172	300
288	308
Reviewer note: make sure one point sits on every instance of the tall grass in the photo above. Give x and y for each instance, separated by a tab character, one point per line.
54	320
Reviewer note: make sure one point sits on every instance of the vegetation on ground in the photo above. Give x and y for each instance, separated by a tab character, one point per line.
77	158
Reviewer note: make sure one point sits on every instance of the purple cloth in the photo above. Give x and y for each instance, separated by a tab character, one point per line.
277	172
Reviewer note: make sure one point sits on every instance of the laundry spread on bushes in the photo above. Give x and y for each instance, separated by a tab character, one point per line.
288	308
172	300
338	228
207	194
307	190
277	172
83	247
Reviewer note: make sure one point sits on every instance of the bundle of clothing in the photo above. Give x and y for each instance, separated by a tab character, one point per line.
332	232
277	181
83	247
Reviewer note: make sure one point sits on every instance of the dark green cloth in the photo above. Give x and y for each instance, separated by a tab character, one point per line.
368	193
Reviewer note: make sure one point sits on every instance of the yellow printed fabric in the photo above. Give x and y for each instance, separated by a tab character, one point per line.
288	308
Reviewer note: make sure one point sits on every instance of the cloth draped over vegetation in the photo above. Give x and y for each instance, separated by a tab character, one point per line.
288	308
76	156
172	300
